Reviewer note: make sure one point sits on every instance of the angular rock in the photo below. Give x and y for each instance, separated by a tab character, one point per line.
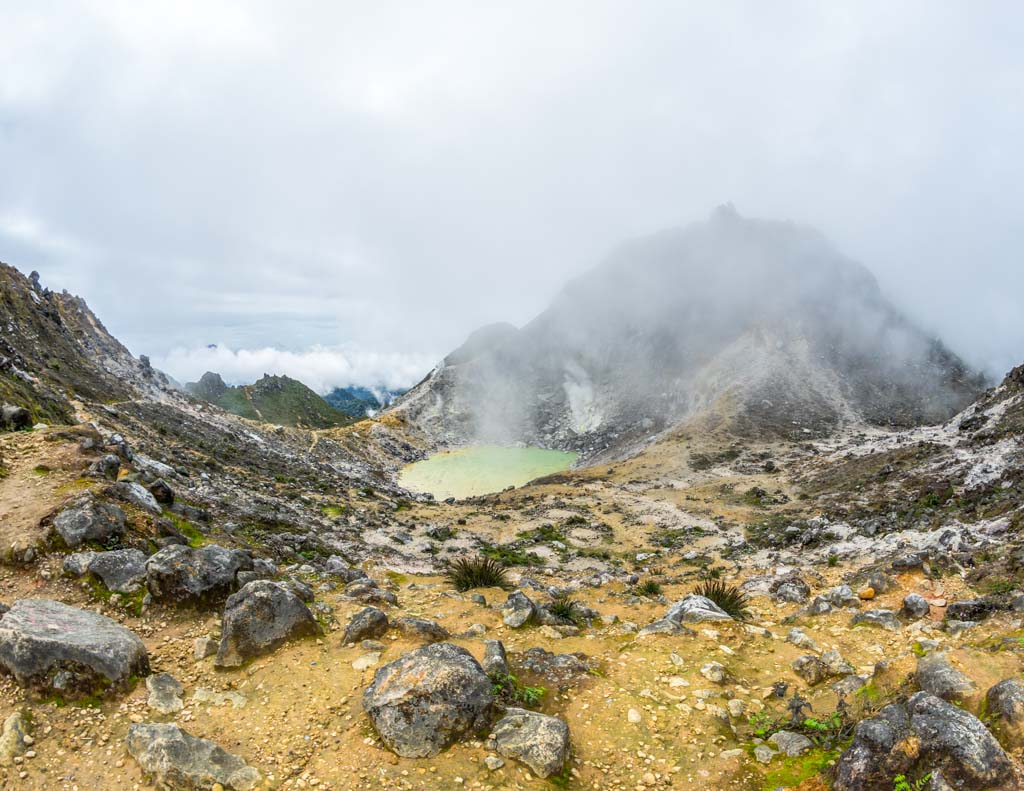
428	699
696	609
665	626
367	591
791	744
164	693
936	676
835	664
790	589
421	629
915	606
175	759
495	659
259	618
367	624
87	519
137	495
186	575
518	610
120	570
537	740
47	645
12	738
886	619
810	669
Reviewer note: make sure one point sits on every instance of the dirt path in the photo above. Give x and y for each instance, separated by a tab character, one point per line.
40	475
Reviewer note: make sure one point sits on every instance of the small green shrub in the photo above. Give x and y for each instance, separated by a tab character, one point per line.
649	588
481	572
729	597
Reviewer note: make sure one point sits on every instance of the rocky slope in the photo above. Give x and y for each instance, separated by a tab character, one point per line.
191	599
273	399
762	321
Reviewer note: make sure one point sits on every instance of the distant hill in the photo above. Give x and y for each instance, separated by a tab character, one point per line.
273	399
360	401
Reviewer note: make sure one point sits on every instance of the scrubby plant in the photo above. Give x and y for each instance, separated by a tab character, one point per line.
507	688
480	572
561	606
729	597
649	588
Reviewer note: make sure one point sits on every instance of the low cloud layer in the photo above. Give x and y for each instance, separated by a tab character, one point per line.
320	368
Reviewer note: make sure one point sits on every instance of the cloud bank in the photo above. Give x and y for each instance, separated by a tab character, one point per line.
320	368
395	175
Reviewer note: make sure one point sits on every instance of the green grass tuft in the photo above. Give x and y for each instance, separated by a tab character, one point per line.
729	597
481	572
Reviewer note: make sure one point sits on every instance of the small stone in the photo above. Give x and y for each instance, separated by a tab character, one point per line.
866	594
633	715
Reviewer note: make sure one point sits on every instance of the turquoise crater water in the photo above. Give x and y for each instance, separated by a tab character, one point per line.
481	469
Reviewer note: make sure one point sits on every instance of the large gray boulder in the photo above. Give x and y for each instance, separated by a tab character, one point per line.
186	575
259	618
537	740
694	608
429	698
120	570
49	646
174	759
924	735
88	520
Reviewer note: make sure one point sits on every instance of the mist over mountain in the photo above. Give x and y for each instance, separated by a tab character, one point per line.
763	324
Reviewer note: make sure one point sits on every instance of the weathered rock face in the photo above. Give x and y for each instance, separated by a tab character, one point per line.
367	624
120	570
495	659
885	619
537	740
924	735
1004	703
428	699
518	610
915	606
260	617
186	575
421	629
50	646
696	609
89	520
174	759
137	495
164	693
938	677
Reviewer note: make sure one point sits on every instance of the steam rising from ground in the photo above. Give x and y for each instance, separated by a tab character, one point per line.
320	368
766	315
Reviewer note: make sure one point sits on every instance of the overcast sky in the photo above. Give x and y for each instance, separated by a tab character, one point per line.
343	191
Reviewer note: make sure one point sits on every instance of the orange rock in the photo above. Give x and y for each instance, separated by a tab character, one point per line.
867	593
